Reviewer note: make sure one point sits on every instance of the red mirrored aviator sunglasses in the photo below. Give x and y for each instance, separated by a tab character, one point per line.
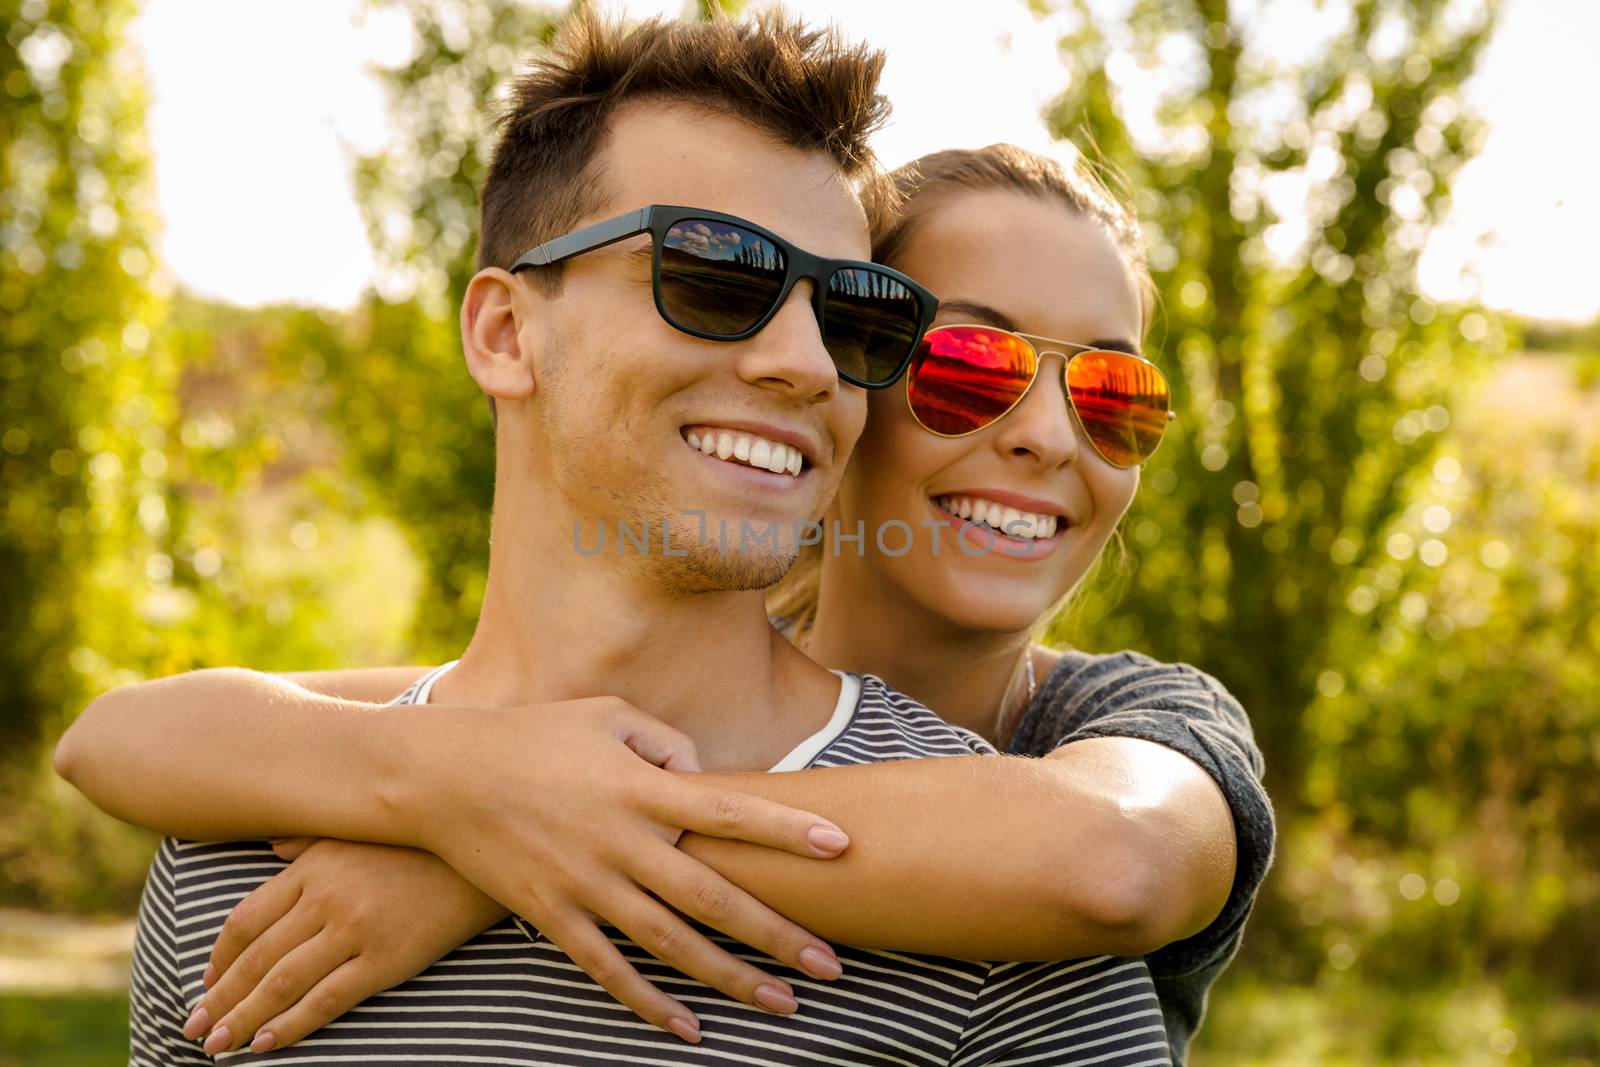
963	378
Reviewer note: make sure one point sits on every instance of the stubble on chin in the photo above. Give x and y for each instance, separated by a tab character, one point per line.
708	567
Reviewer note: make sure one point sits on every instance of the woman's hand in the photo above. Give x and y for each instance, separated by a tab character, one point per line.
319	937
570	813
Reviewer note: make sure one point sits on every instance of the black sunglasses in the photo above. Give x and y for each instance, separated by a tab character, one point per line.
721	278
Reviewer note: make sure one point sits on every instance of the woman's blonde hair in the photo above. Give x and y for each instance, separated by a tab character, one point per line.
1081	191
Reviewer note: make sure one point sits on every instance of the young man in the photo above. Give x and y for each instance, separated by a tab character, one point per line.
601	364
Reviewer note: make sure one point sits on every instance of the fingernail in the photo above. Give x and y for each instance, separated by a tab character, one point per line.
263	1042
819	964
688	1029
199	1022
827	839
219	1040
775	999
210	976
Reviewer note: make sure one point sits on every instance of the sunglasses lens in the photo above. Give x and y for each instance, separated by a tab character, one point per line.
1121	403
718	278
964	377
869	322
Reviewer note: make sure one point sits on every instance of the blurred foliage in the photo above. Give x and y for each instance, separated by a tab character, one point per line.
1346	1021
1581	340
261	548
1382	540
420	197
1397	576
79	1030
84	408
1563	337
82	390
1310	376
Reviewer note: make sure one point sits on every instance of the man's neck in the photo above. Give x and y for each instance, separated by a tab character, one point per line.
557	626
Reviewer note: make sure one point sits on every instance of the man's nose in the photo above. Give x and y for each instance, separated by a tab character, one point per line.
788	353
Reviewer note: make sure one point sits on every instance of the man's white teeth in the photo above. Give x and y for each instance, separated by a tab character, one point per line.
1023	525
747	448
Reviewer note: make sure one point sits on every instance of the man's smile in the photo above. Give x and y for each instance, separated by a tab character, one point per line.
747	449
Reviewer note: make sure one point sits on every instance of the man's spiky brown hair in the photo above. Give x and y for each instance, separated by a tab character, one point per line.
803	87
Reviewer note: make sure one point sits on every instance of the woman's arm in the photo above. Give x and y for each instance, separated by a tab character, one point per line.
1111	845
1095	849
1008	901
230	754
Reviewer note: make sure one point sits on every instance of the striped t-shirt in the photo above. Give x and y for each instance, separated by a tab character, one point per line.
509	996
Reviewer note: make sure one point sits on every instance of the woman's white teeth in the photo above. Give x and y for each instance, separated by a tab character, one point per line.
747	448
1023	525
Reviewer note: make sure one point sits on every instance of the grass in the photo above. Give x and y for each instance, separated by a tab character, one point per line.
72	1030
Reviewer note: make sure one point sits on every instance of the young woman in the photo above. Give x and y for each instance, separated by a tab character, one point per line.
1009	457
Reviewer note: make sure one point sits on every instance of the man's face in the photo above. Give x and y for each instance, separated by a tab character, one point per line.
619	393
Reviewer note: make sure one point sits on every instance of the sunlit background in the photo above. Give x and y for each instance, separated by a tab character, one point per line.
252	166
234	429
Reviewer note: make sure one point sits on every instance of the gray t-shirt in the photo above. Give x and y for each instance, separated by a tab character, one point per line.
1128	694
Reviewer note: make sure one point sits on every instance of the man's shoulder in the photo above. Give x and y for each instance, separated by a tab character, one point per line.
890	725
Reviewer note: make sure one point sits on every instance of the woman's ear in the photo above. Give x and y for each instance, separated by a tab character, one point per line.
493	314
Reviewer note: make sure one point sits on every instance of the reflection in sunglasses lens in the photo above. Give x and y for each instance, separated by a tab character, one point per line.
1121	403
869	320
718	278
964	377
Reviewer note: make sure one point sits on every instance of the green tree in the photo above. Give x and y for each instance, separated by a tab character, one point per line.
82	421
1398	587
1455	757
1310	376
413	421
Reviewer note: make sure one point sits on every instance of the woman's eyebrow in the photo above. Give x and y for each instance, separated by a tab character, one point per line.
985	313
980	311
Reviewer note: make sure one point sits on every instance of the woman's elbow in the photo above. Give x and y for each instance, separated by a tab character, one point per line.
1121	902
65	759
1148	900
85	747
74	750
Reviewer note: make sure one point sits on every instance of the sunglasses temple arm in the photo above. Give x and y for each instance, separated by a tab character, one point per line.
585	240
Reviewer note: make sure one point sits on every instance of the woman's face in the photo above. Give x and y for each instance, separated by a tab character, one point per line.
1005	259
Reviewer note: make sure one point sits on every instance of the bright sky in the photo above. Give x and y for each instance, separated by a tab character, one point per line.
257	106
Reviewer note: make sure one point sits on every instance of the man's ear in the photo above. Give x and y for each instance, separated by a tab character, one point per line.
493	335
